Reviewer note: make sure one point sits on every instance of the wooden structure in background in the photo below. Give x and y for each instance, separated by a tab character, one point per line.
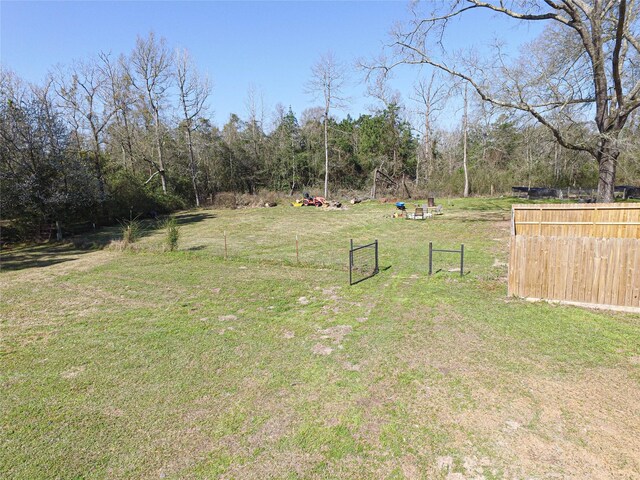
378	174
585	254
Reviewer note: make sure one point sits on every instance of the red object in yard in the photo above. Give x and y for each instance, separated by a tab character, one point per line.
314	201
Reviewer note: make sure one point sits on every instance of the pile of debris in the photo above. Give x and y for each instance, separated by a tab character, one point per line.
309	201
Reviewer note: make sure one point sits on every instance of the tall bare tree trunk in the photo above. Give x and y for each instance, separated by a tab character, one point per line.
326	152
464	144
99	172
161	171
427	149
192	167
328	79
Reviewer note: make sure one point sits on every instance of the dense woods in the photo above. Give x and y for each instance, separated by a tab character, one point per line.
106	138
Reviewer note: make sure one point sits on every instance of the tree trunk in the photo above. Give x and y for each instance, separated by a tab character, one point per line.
192	166
464	146
607	158
326	154
427	151
163	178
99	172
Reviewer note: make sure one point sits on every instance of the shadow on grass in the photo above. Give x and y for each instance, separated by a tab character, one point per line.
46	254
190	218
497	217
196	248
492	205
35	256
52	253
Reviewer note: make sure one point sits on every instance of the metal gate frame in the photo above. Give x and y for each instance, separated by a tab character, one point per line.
376	269
461	252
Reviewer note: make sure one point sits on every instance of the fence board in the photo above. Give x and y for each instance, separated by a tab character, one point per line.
579	269
604	220
579	253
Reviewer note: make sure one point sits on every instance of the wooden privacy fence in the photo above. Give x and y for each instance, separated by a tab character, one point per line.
587	254
601	220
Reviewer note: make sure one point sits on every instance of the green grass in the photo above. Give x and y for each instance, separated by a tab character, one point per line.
152	364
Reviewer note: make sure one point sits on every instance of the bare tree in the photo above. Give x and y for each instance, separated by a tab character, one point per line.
193	91
391	99
585	62
121	98
465	128
255	109
151	61
83	94
432	96
328	78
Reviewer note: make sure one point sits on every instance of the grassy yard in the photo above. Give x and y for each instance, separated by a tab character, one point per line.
153	364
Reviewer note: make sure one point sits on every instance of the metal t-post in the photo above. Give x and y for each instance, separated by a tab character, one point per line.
430	257
462	259
351	263
376	270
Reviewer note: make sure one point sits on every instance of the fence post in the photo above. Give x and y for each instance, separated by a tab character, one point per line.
377	269
462	259
225	245
351	263
430	256
297	251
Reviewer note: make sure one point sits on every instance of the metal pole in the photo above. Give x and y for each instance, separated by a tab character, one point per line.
462	260
430	256
376	270
351	263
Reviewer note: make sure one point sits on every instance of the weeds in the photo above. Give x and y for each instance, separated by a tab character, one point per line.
172	233
132	230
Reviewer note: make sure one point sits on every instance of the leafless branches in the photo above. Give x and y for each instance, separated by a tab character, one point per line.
328	78
193	91
587	58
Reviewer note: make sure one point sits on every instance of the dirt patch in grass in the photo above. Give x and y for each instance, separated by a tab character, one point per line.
335	334
275	464
582	425
193	444
271	431
579	427
351	367
319	349
582	428
498	263
303	301
331	292
73	372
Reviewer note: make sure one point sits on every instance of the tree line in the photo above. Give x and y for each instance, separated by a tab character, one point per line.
105	138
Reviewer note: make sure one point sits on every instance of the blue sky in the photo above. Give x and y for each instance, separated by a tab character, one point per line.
268	45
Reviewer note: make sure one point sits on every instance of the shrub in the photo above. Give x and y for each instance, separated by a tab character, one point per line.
225	200
172	233
131	231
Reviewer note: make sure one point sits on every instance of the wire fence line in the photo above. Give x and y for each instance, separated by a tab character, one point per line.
302	251
312	252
